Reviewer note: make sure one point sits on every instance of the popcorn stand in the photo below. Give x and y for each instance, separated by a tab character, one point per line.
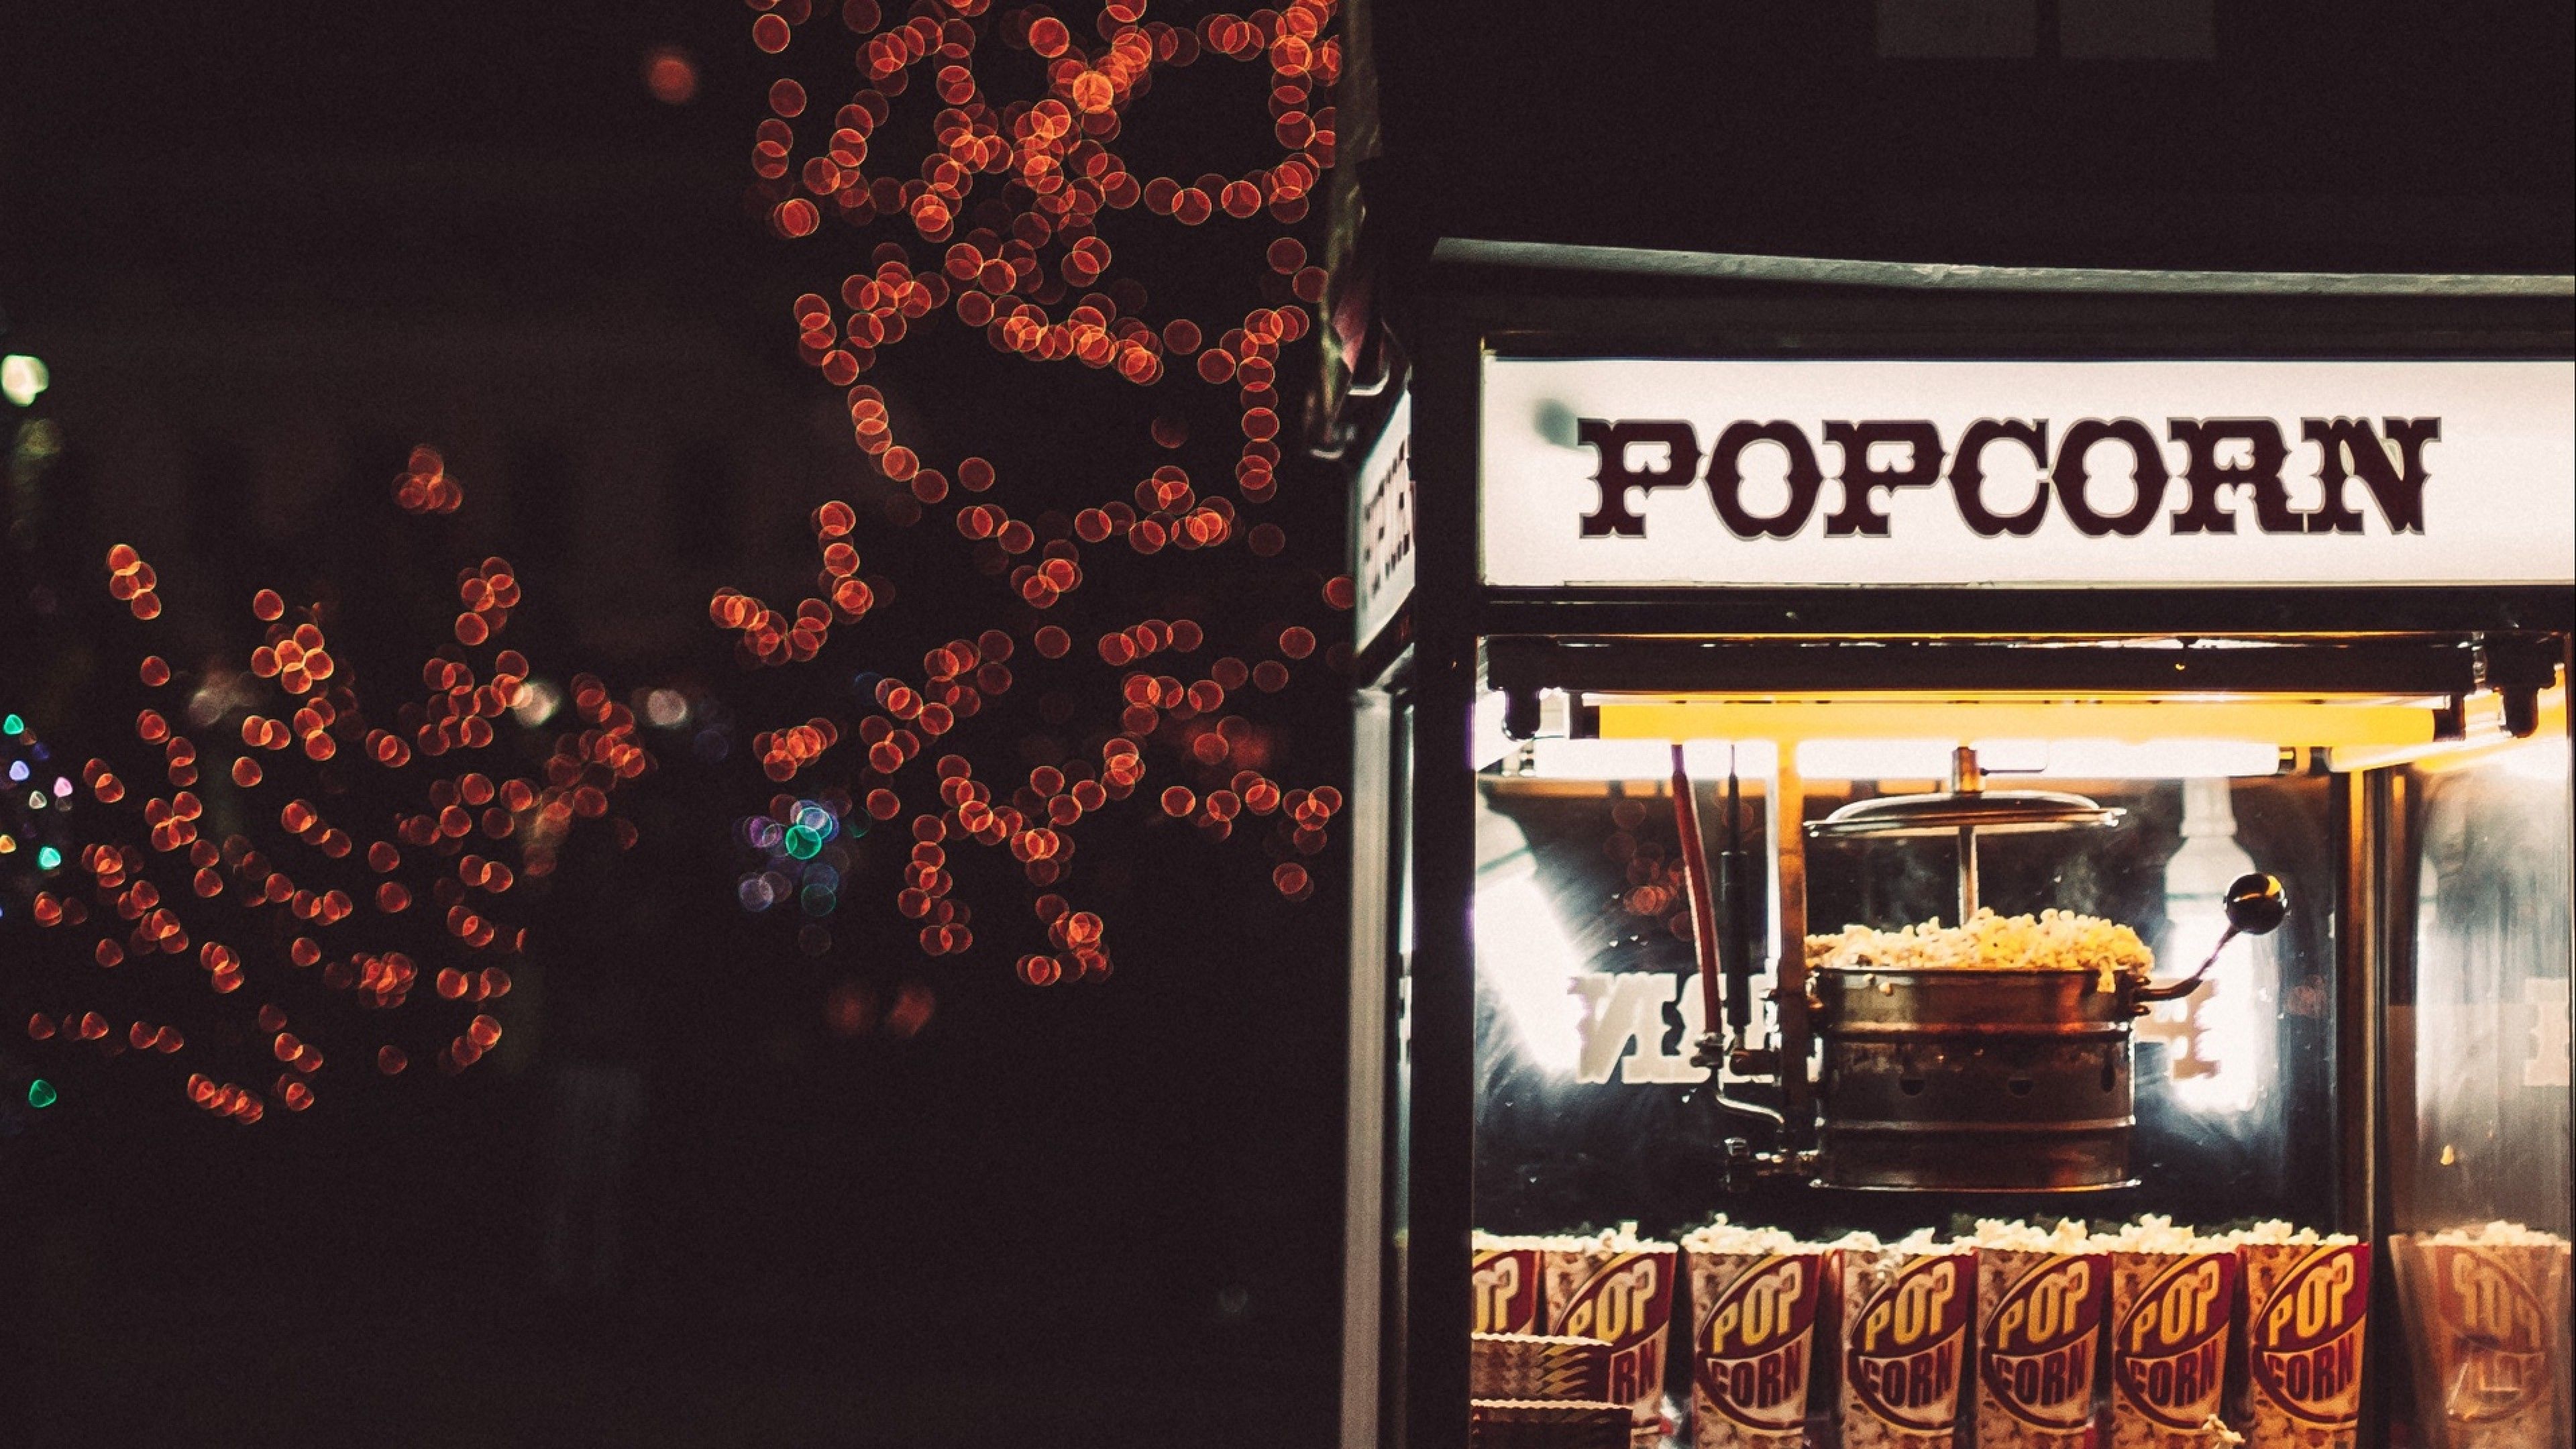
1958	857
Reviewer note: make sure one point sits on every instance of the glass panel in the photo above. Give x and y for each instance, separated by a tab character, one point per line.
2478	1103
1591	1112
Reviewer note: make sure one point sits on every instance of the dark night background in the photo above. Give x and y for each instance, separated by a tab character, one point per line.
265	250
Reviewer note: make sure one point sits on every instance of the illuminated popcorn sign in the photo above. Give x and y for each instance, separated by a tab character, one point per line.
2388	460
1659	472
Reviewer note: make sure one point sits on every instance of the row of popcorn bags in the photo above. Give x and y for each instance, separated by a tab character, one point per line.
2152	1337
2010	1338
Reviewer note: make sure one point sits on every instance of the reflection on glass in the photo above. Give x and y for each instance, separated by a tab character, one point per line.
1529	965
2489	1108
2478	1104
2220	1037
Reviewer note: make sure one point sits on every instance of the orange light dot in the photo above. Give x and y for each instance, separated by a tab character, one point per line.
794	217
671	76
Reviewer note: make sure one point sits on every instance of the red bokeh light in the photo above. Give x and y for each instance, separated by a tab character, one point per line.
671	75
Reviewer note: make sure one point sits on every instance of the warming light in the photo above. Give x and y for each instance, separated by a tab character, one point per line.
2329	722
2079	759
1560	759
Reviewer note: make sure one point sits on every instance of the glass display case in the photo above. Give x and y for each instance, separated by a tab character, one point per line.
1855	782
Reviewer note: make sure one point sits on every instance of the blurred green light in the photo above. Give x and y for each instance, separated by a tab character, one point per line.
48	858
23	379
13	725
804	844
41	1093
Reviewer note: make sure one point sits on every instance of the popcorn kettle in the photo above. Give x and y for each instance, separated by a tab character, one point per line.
2014	1080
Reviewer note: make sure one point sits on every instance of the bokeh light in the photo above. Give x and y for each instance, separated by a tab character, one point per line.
337	847
1015	222
671	75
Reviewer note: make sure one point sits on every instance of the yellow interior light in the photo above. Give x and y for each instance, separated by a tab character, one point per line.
2333	722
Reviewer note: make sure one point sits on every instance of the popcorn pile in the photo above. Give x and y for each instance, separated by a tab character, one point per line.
1913	1245
2054	940
1721	1236
2495	1235
2156	1233
2016	1236
1607	1242
2277	1233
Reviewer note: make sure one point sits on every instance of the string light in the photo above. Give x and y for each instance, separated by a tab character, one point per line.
283	902
1006	216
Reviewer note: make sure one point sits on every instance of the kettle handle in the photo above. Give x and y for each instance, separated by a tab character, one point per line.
2175	989
2255	905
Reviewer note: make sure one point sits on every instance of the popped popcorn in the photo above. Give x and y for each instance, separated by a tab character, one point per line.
1721	1236
2068	1236
2279	1232
2054	940
2497	1234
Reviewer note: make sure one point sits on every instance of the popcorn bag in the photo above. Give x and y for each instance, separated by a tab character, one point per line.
2173	1293
2489	1306
1506	1278
2307	1302
2041	1299
1904	1340
1617	1288
1754	1299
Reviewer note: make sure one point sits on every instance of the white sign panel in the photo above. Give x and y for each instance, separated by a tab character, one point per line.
1383	576
1662	472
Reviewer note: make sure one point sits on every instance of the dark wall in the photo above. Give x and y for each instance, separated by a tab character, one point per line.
2387	134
